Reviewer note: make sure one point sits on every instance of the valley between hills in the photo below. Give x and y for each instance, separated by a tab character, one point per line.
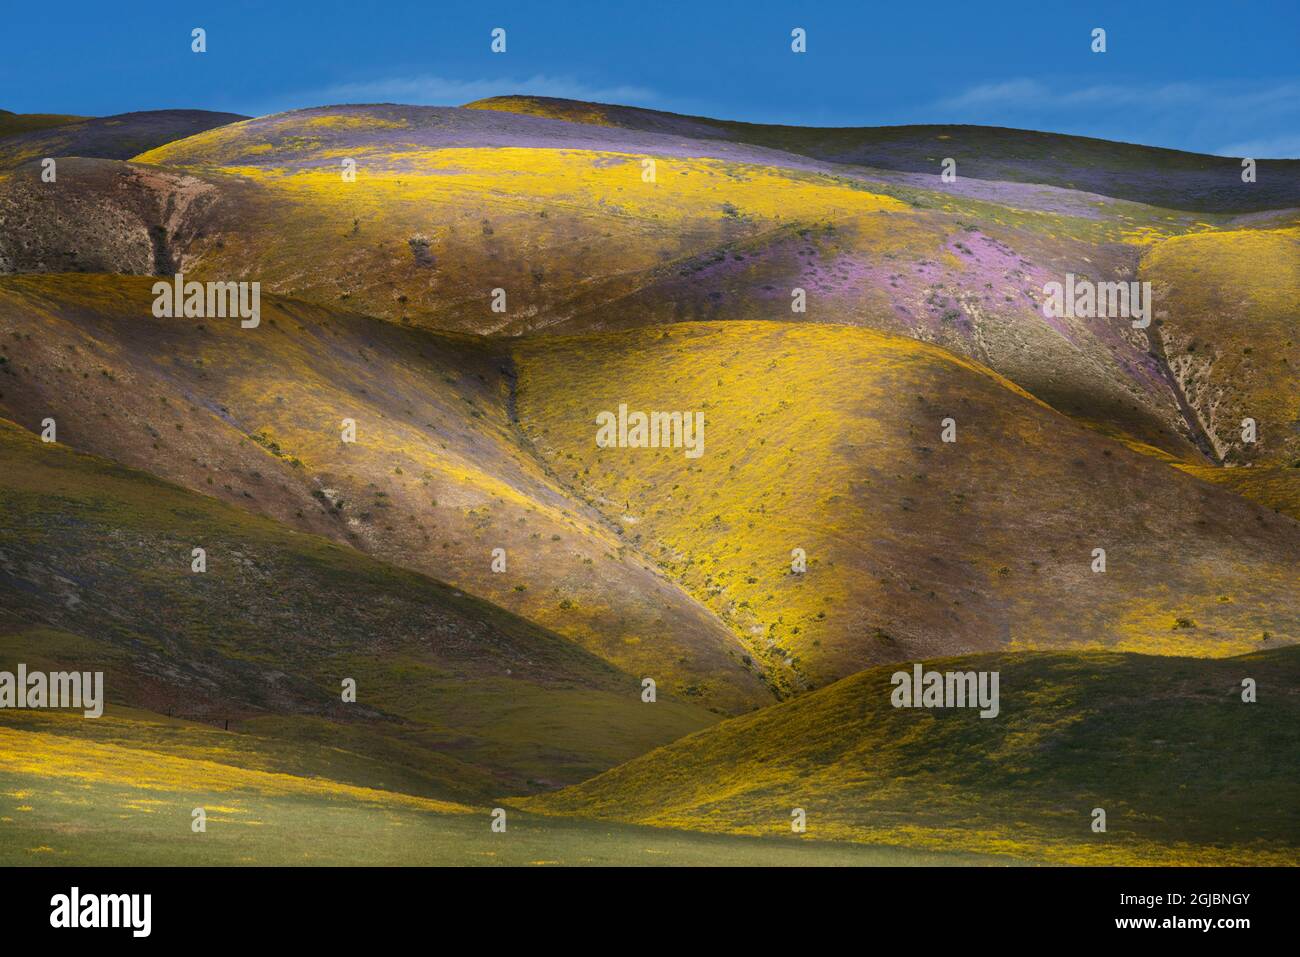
946	458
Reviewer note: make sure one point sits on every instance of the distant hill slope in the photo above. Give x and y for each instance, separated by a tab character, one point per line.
14	123
1185	771
110	137
829	439
95	574
1143	174
449	205
437	479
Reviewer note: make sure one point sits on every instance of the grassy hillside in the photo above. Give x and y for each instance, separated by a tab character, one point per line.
12	124
99	216
1186	772
120	791
447	208
95	574
428	230
498	584
437	479
110	137
1145	174
450	205
829	439
1232	301
668	567
1277	486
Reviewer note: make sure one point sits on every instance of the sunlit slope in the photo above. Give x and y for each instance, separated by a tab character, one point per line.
1232	310
105	792
110	137
428	230
1162	177
437	479
828	439
1186	772
602	114
565	228
970	281
1276	486
492	222
96	574
121	790
155	753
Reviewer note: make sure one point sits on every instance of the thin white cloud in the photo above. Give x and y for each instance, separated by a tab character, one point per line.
1254	117
1018	93
1007	92
1273	147
430	90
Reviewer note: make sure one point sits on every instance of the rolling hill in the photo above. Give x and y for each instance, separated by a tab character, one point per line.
121	792
831	440
451	205
437	480
1186	772
24	138
821	438
13	123
96	574
398	476
1143	174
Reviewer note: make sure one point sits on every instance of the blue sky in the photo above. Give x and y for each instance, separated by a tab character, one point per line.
1218	77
